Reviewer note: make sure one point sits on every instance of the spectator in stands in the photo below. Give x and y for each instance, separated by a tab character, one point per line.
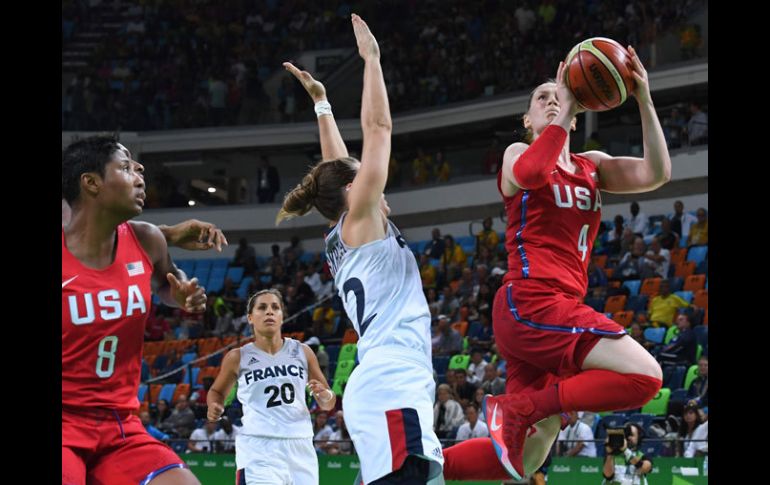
493	158
323	358
698	446
339	442
159	412
698	125
449	303
447	413
446	341
658	258
492	383
487	237
268	181
636	333
597	280
633	266
691	420
435	248
245	256
699	388
664	306
422	165
472	427
181	421
428	272
699	232
201	439
453	259
615	236
462	389
682	349
631	466
433	302
198	398
681	221
441	170
467	288
576	439
323	318
476	367
674	128
322	430
144	416
224	437
638	220
327	284
157	327
668	238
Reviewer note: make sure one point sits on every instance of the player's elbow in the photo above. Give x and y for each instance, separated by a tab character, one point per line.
379	124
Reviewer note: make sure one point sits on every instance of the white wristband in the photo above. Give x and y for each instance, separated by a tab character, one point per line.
331	395
323	108
628	454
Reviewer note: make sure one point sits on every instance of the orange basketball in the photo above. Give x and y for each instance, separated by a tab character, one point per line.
599	74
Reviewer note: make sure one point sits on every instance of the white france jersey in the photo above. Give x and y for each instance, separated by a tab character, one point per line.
381	289
271	389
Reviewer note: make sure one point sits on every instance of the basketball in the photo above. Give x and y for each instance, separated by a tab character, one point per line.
599	74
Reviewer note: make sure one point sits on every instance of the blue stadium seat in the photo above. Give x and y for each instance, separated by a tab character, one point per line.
633	286
655	335
643	420
649	448
202	269
235	274
614	420
219	264
142	392
167	392
243	290
189	357
215	284
697	253
684	295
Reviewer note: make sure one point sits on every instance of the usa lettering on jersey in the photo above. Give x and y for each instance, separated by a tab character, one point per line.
563	196
109	305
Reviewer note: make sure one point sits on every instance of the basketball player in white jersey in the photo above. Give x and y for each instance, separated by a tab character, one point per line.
275	443
388	401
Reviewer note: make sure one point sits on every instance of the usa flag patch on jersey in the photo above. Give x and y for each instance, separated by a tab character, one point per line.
135	268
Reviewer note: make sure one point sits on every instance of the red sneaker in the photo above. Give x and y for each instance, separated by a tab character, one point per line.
507	417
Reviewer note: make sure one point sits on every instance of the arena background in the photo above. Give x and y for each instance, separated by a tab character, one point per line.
197	92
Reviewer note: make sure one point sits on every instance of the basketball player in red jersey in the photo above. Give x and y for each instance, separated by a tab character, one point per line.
108	268
562	355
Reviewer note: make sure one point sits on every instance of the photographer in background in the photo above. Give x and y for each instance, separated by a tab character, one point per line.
624	463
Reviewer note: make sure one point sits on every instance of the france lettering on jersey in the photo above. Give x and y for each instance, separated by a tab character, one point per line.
551	230
104	312
271	389
381	289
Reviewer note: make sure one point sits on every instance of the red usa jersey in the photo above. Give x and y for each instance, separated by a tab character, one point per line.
102	325
551	230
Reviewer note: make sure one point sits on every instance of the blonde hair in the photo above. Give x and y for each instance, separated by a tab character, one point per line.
321	188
